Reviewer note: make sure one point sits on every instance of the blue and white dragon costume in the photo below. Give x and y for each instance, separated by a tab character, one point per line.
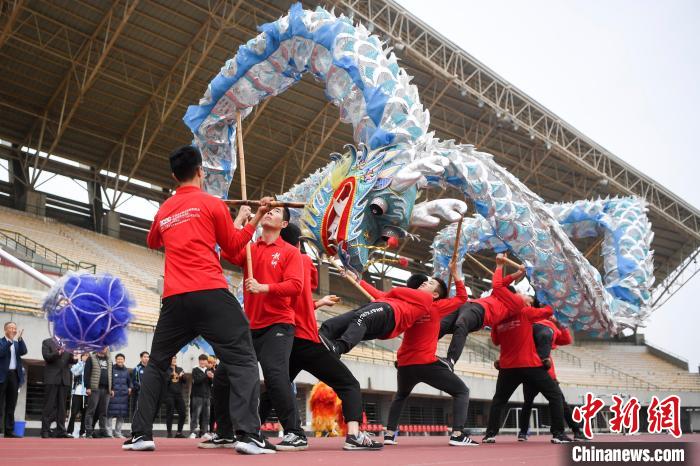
369	193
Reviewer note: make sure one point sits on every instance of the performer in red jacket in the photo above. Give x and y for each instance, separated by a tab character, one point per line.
417	363
388	316
519	363
278	278
308	354
196	301
547	334
483	312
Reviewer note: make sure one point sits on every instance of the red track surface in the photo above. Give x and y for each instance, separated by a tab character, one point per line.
322	451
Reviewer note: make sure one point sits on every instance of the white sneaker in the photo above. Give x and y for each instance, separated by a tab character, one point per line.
140	443
193	435
249	445
207	436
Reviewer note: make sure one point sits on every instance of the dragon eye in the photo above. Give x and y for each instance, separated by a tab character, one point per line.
378	206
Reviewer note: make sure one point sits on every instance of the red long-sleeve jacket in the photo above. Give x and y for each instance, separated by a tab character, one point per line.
420	340
278	265
190	224
502	303
514	335
408	304
304	306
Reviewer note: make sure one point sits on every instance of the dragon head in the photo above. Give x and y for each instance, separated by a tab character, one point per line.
367	196
354	206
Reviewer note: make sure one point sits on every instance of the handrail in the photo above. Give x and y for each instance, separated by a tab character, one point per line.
569	357
12	307
488	353
28	246
597	366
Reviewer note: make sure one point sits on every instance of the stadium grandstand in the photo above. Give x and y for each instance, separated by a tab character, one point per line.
92	94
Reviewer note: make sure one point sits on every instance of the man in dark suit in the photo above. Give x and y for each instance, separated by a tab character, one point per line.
57	382
11	376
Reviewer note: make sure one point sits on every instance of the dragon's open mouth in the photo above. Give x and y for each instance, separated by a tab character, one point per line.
334	229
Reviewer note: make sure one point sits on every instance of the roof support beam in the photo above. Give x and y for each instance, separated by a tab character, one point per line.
149	121
688	267
79	78
87	174
325	134
304	137
14	8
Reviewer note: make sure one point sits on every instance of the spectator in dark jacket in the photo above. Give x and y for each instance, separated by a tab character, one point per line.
136	376
12	348
211	365
201	391
174	399
98	377
119	404
57	382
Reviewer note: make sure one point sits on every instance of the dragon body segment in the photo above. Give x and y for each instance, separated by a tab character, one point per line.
362	197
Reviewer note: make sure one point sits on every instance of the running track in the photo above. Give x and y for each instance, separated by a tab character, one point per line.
418	451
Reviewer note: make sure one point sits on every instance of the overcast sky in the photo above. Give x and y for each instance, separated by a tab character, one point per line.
625	73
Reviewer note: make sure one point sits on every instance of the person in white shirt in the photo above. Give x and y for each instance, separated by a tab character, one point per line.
78	402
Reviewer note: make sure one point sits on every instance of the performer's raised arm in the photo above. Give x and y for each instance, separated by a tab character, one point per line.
448	305
228	237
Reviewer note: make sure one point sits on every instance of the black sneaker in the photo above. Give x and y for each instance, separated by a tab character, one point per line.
170	435
361	441
139	443
462	440
489	438
522	437
292	442
180	435
391	439
579	437
561	438
330	345
254	445
217	442
447	362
